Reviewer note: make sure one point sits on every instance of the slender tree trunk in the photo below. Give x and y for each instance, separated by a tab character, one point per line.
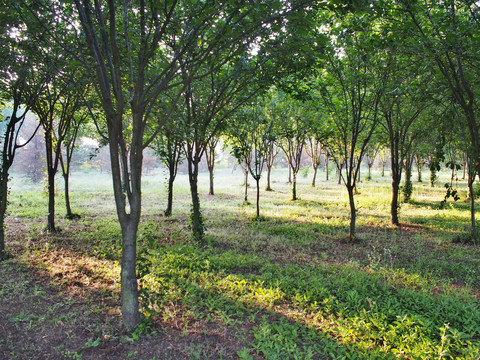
51	200
394	204
408	187
196	215
268	187
289	173
396	165
3	210
339	169
258	196
66	177
472	212
210	170
50	179
168	210
326	168
294	185
314	175
369	176
470	181
419	165
246	183
353	212
210	157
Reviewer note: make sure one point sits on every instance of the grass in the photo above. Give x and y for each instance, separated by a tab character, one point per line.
286	287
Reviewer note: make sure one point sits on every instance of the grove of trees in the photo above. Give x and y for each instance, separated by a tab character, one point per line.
346	80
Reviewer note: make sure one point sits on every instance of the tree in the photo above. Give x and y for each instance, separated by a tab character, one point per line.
70	142
270	155
56	107
168	146
251	134
11	133
215	90
294	119
351	91
371	154
210	157
447	32
135	51
21	81
401	107
314	150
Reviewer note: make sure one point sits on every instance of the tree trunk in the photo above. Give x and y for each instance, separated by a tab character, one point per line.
168	210
353	213
396	166
314	175
196	215
383	168
268	187
258	196
51	200
129	285
67	195
394	204
326	168
289	173
294	185
3	210
470	181
246	184
339	169
211	191
369	176
408	187
472	211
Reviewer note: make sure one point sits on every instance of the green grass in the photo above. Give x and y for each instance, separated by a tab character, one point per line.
289	286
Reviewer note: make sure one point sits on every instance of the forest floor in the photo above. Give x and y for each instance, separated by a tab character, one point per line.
286	286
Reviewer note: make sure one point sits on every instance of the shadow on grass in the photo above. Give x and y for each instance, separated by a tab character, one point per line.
288	311
310	312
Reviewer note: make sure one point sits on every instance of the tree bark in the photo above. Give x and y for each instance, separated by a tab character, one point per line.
394	204
408	187
67	196
268	187
470	181
353	213
314	175
339	169
168	210
51	201
326	168
3	210
258	196
294	185
289	173
129	285
246	183
211	190
196	215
